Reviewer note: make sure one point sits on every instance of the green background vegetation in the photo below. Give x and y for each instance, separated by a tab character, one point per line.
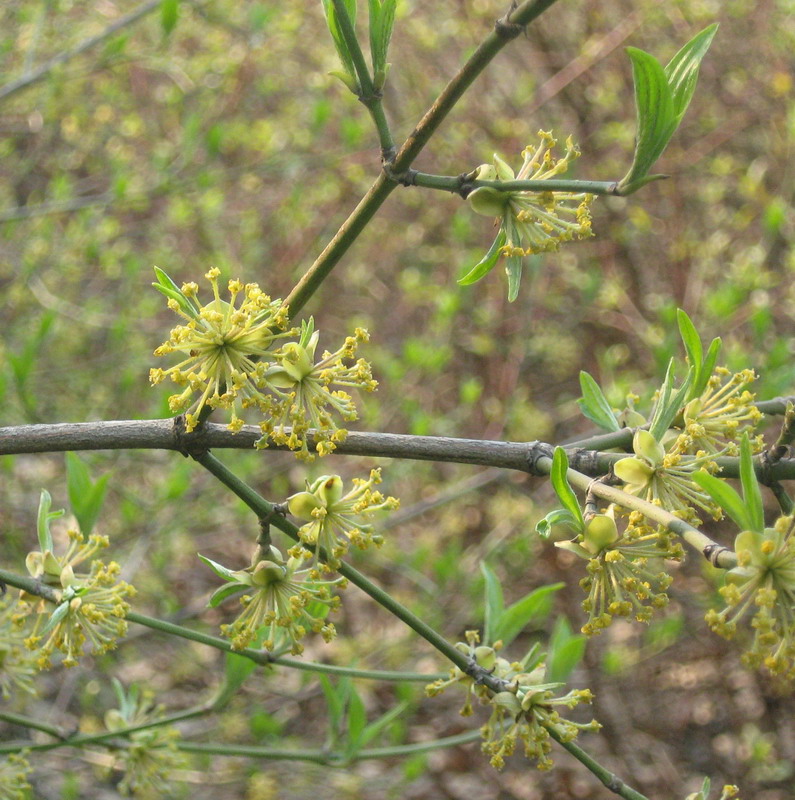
225	143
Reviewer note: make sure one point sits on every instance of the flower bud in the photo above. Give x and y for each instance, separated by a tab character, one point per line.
633	471
485	656
302	505
296	361
487	201
509	701
600	533
646	446
330	491
266	572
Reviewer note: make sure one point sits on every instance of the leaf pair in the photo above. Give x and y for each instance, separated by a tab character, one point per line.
382	20
661	98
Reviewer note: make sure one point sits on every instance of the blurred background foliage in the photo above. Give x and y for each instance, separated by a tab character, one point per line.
224	142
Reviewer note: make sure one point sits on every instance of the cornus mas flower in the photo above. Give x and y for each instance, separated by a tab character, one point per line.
150	758
334	518
524	711
278	592
14	770
91	607
624	572
762	585
227	348
530	222
665	478
17	664
306	393
725	410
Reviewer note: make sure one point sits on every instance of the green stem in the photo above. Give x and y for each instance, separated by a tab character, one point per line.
718	555
110	737
369	96
261	657
325	757
262	508
34	724
610	781
505	30
460	184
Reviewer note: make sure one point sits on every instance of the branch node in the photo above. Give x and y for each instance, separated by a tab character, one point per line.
535	451
506	29
191	445
586	461
713	552
405	178
264	538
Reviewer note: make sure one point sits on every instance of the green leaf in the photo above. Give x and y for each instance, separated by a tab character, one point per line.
594	406
557	517
85	496
357	719
493	601
166	286
669	403
566	650
751	493
682	70
513	269
486	264
219	569
374	728
237	669
60	612
655	114
560	483
169	13
690	339
382	20
348	76
661	99
723	494
707	368
227	590
43	518
534	606
336	698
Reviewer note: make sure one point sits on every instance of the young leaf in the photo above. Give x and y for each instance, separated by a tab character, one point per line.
382	19
43	521
374	728
682	70
357	719
560	483
486	264
594	406
668	403
534	606
707	368
60	612
493	601
348	76
751	493
236	671
169	12
690	339
513	269
559	517
655	117
219	569
661	98
723	494
220	594
85	496
566	650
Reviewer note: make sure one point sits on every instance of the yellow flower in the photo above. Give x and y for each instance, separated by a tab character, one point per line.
333	518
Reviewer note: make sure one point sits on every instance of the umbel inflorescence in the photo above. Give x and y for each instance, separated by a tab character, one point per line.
240	353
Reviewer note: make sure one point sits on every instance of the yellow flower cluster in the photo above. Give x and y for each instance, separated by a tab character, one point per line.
233	359
524	711
277	595
90	607
333	516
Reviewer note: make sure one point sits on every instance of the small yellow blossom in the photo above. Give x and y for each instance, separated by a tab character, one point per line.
331	515
90	607
278	594
227	349
17	663
763	582
14	771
